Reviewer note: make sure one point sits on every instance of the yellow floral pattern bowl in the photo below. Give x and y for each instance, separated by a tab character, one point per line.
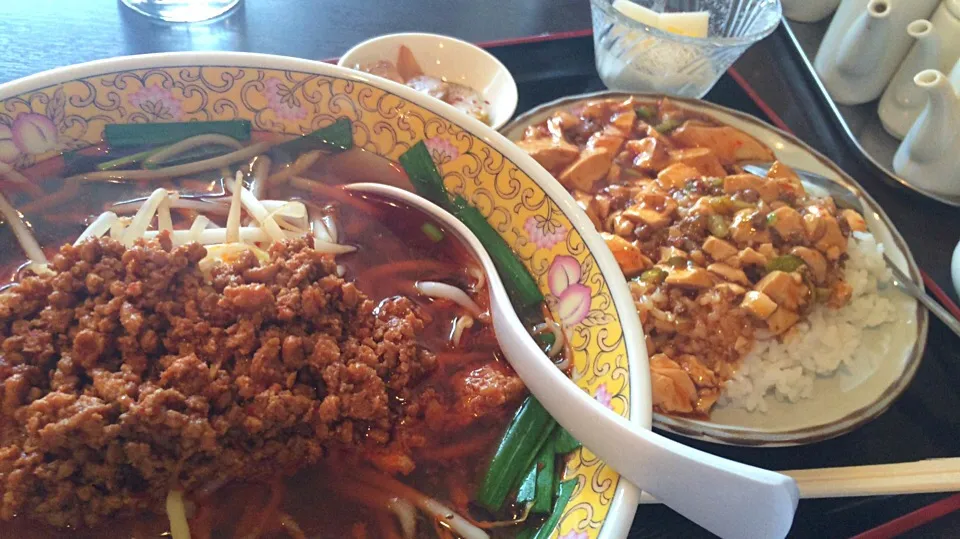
67	109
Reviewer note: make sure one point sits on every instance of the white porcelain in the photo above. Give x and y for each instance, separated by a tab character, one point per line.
842	402
864	45
448	58
902	101
955	269
808	10
756	503
947	19
623	505
929	155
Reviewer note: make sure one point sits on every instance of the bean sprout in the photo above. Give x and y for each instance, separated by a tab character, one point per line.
210	236
479	275
177	514
553	327
407	516
38	261
189	144
176	170
255	208
98	227
199	225
141	221
445	291
233	218
459	326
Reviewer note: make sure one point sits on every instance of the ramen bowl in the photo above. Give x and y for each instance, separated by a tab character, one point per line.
67	109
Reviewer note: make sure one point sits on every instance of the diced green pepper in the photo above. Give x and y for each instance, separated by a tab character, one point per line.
785	263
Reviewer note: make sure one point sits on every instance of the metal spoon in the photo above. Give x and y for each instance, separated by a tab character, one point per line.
730	499
845	198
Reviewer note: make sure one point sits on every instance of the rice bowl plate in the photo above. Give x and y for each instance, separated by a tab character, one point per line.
837	368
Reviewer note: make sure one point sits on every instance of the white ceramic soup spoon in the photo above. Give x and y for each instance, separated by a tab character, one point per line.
730	499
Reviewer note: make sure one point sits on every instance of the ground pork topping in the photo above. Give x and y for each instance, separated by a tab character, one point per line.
129	372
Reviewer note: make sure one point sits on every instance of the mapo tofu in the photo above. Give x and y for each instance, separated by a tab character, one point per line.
716	257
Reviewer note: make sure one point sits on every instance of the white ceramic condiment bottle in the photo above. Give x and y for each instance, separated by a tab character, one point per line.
947	21
903	101
808	10
929	156
864	45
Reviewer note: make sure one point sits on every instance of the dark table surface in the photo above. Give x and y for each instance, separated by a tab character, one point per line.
36	35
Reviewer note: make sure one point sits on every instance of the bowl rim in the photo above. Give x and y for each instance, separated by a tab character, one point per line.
626	497
737	436
712	42
513	97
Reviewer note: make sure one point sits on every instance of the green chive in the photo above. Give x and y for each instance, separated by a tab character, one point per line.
520	285
424	175
564	493
336	137
432	231
159	134
528	487
528	431
127	160
546	468
564	442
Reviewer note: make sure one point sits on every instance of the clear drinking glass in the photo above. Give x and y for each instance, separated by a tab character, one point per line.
634	57
181	10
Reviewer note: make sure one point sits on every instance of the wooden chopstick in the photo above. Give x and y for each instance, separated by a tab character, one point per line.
920	477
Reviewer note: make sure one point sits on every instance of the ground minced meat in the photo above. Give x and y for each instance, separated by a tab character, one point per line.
129	372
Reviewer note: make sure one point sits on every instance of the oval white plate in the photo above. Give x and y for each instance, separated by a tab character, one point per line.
841	402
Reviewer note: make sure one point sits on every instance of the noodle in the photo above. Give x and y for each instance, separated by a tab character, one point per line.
177	170
189	144
298	167
261	172
449	292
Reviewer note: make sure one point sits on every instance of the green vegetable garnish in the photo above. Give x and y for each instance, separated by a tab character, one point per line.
676	262
335	137
127	160
546	467
520	285
432	231
668	125
196	154
160	134
564	493
653	276
526	434
771	219
717	226
645	113
785	263
564	442
424	175
528	487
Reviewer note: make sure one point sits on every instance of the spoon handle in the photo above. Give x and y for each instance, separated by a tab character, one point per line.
730	499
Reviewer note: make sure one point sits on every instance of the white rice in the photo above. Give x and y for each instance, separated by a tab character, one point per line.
825	343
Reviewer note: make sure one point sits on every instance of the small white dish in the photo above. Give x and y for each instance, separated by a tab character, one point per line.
450	59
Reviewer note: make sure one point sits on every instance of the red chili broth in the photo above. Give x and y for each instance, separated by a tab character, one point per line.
393	253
